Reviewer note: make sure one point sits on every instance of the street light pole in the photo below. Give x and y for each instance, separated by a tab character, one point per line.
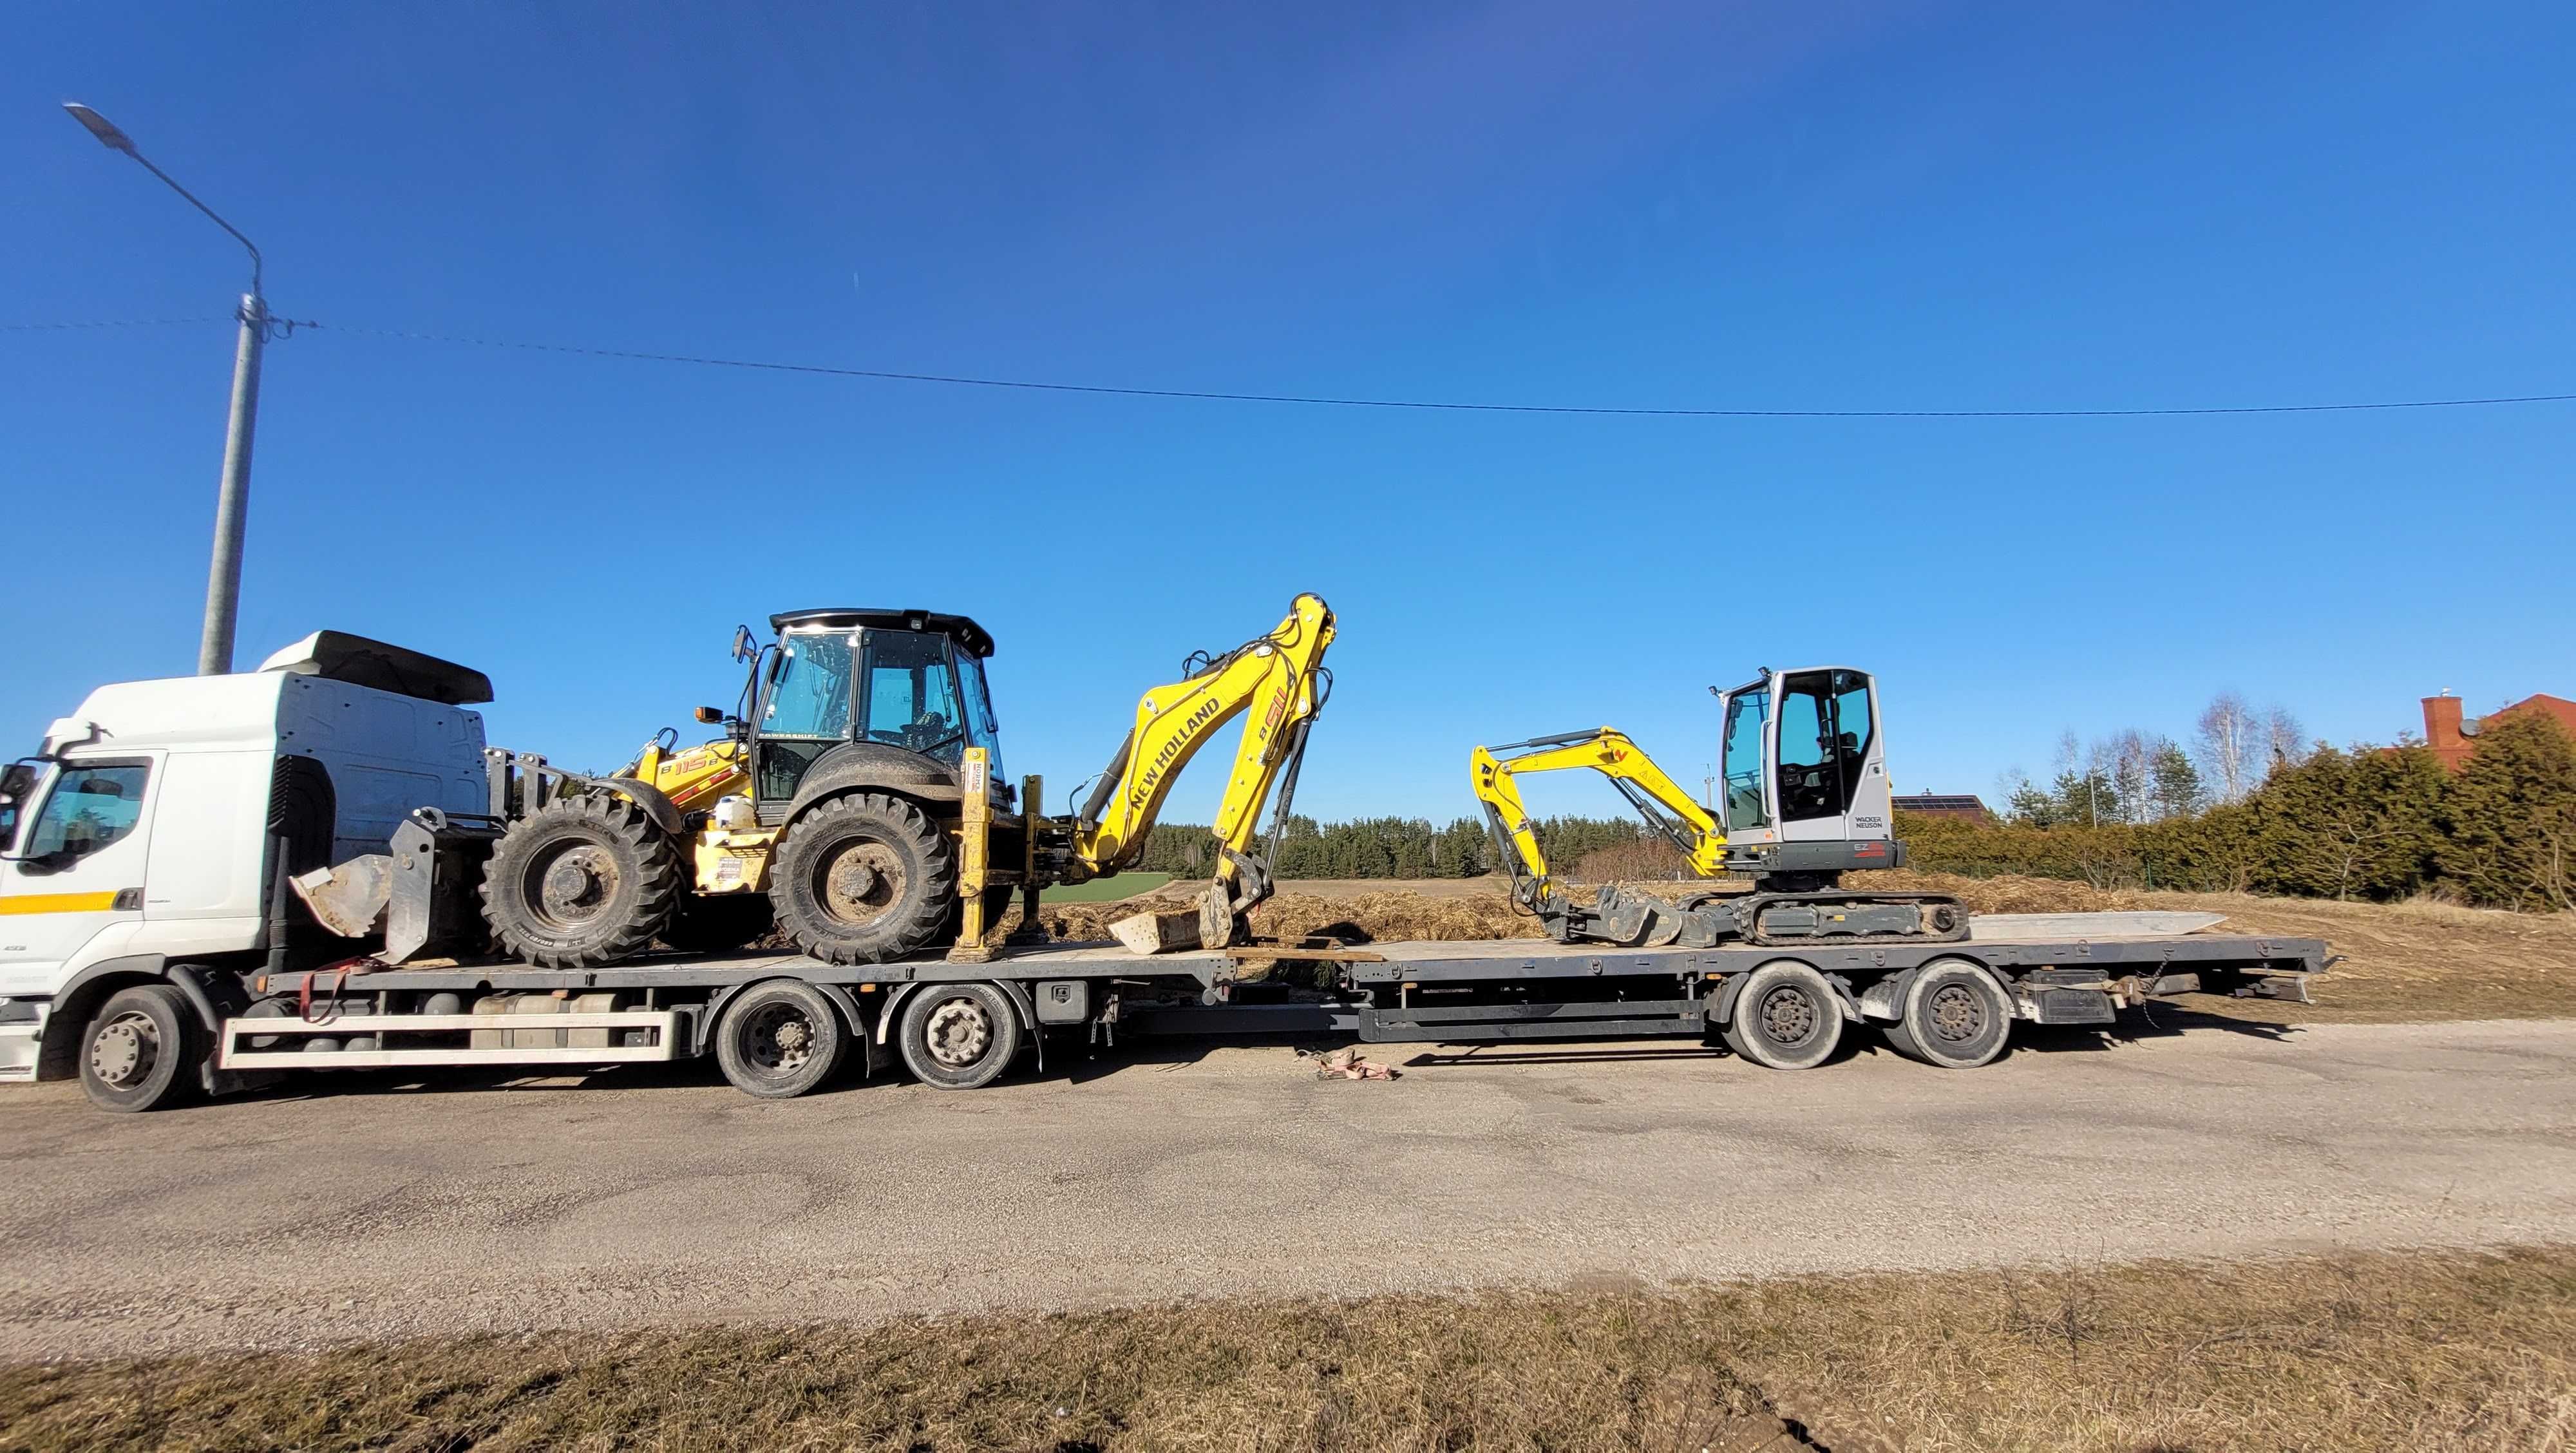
232	497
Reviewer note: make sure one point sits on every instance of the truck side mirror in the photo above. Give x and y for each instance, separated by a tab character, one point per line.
742	643
709	714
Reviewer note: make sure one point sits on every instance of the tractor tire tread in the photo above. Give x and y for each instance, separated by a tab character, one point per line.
660	882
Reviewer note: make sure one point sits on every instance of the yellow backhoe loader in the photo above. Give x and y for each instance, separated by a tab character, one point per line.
856	802
1806	800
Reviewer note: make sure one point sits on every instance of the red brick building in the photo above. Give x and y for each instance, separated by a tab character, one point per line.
2454	740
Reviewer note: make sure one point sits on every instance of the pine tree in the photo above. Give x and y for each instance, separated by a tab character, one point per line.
2509	817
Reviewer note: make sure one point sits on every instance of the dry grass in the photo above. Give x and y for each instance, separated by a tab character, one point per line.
2426	1351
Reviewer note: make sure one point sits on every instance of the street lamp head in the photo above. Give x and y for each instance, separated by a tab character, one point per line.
100	127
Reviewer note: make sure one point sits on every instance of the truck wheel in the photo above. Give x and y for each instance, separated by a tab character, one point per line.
780	1040
141	1050
583	881
960	1036
719	923
1955	1016
1786	1017
863	879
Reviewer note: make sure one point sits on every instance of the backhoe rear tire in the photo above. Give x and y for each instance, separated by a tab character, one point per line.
581	882
863	879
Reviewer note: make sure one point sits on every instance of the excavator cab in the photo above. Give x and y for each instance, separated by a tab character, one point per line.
1806	772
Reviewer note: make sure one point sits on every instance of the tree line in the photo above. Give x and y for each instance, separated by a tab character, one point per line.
1395	847
2277	816
2363	822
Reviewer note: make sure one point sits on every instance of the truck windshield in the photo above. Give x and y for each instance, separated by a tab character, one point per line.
1746	709
809	689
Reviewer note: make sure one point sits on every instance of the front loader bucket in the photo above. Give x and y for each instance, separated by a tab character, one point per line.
438	863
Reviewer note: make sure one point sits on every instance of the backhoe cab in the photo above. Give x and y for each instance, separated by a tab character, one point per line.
856	802
1806	800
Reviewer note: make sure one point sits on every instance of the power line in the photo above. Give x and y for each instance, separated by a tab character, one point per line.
110	323
1449	405
1350	402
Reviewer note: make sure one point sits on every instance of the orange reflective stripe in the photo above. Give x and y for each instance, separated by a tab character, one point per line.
58	903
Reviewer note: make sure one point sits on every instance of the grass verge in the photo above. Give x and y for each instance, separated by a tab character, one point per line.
2423	1351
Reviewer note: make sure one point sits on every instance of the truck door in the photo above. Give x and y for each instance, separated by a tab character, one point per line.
75	869
1832	775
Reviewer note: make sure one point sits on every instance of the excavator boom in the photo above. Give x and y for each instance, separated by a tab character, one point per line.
1656	796
1277	683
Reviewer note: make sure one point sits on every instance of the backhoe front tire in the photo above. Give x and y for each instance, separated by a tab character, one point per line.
863	879
581	882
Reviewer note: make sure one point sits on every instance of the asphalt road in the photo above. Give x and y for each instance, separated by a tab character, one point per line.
664	1197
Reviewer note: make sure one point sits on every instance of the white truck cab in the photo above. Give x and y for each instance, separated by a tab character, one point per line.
145	833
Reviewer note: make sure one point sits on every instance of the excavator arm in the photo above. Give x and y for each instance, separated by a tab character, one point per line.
1656	796
1277	684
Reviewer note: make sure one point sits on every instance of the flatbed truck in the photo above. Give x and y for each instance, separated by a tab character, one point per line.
149	944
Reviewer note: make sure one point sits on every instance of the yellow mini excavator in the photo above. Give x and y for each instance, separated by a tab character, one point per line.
856	802
1806	800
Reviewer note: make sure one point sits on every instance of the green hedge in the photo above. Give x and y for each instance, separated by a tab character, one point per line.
2372	823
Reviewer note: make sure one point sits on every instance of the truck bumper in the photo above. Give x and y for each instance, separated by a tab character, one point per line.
18	1046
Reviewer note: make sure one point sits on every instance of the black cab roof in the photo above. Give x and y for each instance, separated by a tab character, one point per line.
963	631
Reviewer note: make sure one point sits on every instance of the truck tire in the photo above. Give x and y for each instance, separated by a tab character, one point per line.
142	1050
1955	1016
863	879
719	923
1786	1017
780	1039
959	1036
581	882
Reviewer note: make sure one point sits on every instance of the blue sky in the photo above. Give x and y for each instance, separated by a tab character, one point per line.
1731	205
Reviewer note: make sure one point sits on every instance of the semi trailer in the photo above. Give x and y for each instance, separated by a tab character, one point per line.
168	859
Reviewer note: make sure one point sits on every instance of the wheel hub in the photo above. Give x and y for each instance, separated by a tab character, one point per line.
122	1053
1788	1016
781	1039
864	880
578	883
958	1033
1956	1014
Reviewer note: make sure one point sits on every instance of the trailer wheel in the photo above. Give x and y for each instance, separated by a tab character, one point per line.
780	1040
141	1050
863	879
1955	1016
1786	1017
959	1036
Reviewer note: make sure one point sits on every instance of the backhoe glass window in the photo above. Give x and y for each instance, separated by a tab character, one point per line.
1745	714
811	697
981	729
1810	768
90	808
912	696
